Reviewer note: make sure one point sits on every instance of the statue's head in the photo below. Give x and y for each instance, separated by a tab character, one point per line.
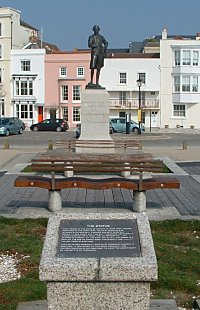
96	28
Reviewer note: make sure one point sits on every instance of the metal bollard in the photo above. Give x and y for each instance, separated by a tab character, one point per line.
184	146
50	145
140	147
6	145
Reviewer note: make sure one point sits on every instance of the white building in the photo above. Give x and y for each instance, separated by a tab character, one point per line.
27	72
120	74
14	34
180	81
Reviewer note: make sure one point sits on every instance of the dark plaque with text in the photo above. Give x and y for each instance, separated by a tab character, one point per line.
98	238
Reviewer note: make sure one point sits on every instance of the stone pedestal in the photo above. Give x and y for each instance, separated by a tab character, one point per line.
95	120
98	283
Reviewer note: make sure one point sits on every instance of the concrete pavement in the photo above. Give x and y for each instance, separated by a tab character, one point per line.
13	160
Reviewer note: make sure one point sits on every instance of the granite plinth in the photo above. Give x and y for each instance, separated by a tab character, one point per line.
95	119
98	296
119	282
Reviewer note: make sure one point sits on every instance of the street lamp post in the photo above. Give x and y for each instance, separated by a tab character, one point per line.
139	84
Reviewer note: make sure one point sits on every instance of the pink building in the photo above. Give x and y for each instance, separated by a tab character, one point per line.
66	74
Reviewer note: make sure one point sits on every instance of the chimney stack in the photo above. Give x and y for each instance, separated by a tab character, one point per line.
198	36
164	34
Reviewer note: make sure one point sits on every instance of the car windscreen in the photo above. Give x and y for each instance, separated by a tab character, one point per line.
4	121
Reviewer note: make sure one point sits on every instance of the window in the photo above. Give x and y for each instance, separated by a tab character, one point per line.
177	58
142	77
76	92
122	114
185	83
143	114
0	29
177	84
80	71
64	93
122	78
63	71
195	84
25	65
186	58
24	110
179	110
2	108
24	88
0	51
195	58
0	75
30	88
76	114
65	113
122	97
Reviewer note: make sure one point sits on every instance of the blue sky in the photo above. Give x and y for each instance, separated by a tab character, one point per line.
68	23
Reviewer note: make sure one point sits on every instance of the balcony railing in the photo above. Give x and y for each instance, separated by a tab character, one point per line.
134	103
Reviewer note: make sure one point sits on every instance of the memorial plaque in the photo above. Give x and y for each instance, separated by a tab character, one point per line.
98	238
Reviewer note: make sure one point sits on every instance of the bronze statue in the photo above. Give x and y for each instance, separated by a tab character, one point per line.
98	45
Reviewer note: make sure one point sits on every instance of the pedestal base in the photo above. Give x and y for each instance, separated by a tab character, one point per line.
98	296
95	119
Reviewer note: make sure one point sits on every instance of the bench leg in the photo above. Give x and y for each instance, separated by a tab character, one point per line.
139	201
55	201
68	174
126	173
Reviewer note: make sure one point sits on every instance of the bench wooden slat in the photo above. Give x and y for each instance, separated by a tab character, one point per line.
97	184
160	182
90	143
76	182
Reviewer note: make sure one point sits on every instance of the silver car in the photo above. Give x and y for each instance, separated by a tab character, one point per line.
11	125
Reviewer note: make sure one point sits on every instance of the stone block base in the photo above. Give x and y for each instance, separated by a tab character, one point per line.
95	115
98	296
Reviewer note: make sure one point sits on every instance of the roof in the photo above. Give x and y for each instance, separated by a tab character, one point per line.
136	47
36	43
22	23
133	55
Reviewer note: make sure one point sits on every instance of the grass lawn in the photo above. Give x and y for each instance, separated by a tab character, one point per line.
29	169
177	245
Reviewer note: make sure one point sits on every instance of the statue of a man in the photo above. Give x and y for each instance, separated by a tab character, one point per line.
98	45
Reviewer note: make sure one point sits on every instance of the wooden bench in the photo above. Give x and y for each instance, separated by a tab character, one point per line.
103	175
105	145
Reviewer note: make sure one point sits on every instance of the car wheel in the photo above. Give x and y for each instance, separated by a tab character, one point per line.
35	128
135	130
7	132
20	130
58	129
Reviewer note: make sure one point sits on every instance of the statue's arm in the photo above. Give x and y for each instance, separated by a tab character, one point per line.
105	43
90	42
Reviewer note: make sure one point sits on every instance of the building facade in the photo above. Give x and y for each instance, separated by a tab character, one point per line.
180	81
66	74
14	34
27	73
120	75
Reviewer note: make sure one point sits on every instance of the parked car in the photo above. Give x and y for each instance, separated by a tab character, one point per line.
54	124
11	125
78	130
119	125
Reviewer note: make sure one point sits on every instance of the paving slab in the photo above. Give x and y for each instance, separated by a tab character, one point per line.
157	304
33	305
